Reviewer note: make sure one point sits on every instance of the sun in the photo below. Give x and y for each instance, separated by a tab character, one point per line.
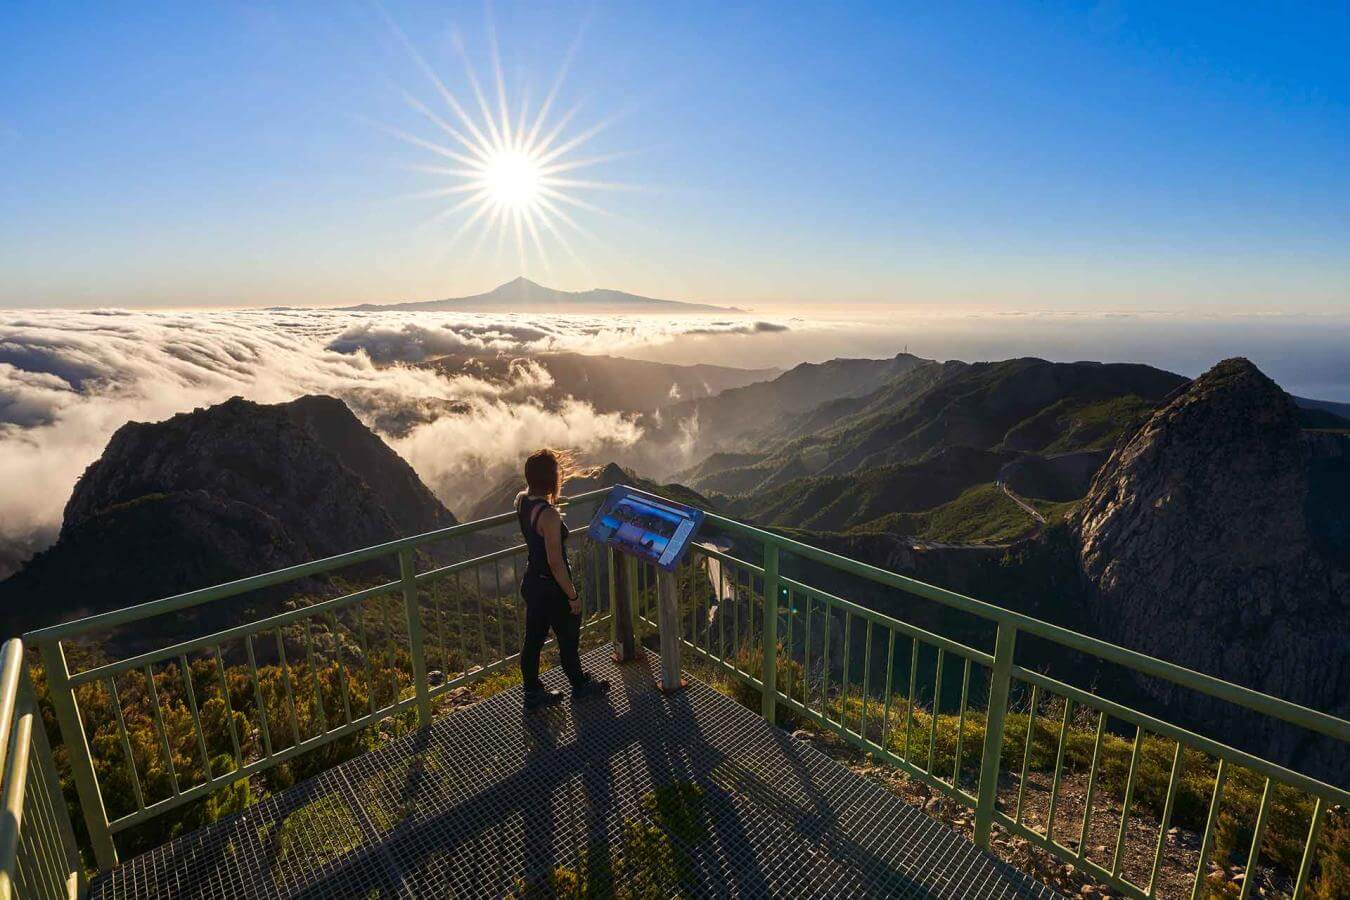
512	179
513	167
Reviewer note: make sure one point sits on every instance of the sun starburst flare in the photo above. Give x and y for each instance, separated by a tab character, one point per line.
514	173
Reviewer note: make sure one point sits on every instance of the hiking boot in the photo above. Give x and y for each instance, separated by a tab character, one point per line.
541	697
591	687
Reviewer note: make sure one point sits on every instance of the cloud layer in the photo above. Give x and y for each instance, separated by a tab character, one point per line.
68	379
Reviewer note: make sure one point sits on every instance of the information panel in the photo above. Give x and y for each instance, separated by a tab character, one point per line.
650	528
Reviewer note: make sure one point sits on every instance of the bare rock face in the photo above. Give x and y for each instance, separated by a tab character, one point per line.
1196	543
218	494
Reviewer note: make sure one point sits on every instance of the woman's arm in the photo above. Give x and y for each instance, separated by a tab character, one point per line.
550	526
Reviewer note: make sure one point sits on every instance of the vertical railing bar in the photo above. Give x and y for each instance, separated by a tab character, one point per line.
744	608
229	708
519	606
501	616
1091	784
909	703
459	614
364	641
341	668
36	829
847	672
126	742
1258	834
207	774
412	619
163	732
867	672
258	695
991	754
1207	839
73	866
1173	780
387	604
1118	858
482	628
1309	848
791	629
723	608
286	683
314	676
825	667
45	832
933	716
1026	752
611	588
806	655
1059	766
886	702
736	619
961	724
769	624
440	626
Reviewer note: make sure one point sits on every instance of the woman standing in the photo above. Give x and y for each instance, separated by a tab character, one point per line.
551	600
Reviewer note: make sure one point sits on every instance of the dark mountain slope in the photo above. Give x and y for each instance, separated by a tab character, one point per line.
1213	519
609	383
980	406
218	494
732	420
835	503
1043	414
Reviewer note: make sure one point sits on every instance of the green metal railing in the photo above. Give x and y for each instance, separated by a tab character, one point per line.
878	683
38	855
293	682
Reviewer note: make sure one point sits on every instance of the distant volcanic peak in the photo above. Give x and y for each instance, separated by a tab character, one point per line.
520	294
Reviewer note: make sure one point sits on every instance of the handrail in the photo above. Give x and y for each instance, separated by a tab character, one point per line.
127	614
1305	717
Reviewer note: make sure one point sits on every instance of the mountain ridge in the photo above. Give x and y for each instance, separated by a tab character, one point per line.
523	295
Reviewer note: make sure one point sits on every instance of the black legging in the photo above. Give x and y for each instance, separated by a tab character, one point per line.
546	607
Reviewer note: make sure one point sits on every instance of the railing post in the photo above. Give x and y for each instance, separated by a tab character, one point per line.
668	617
407	573
623	571
613	597
1000	679
770	675
81	763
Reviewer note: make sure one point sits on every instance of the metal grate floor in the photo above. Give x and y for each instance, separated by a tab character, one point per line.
490	795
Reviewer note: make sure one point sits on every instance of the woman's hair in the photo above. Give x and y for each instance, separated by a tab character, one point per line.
545	471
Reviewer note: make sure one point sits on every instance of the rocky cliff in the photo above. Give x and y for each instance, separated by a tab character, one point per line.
218	494
1206	539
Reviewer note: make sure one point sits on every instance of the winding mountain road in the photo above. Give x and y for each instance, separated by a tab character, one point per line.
1014	497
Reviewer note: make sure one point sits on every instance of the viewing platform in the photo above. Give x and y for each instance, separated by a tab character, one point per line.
286	735
491	799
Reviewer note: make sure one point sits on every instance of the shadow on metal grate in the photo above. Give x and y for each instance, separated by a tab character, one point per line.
490	795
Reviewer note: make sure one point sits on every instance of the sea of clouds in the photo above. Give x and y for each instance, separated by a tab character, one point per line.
69	379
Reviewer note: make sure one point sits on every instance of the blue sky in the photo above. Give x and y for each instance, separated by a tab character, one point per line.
1068	157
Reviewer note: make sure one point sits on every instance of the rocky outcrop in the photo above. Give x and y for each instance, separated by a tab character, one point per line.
218	494
1200	544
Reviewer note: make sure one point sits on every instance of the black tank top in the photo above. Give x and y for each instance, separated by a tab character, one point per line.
537	562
